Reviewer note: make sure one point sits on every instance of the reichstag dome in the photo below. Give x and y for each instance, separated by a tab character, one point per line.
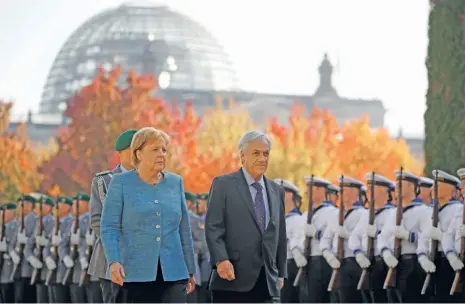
148	39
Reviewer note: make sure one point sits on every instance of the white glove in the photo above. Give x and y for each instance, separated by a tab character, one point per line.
6	256
41	240
56	239
3	246
310	230
426	264
331	259
462	230
362	260
50	263
372	231
454	261
401	233
15	257
299	258
90	239
390	259
22	239
34	262
68	261
75	238
342	232
84	263
435	233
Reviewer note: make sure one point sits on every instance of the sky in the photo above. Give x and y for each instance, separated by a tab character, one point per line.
378	47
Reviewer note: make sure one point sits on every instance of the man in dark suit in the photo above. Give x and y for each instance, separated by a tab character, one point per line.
246	229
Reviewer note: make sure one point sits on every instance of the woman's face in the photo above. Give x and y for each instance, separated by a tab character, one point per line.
153	154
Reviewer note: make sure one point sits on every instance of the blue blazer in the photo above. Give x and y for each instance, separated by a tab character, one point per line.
143	224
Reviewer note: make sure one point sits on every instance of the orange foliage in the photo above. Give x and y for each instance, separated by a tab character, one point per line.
18	161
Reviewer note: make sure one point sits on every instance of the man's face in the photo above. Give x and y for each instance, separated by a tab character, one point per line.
46	209
318	195
425	194
445	192
255	158
333	197
350	196
288	201
381	195
125	158
63	209
408	192
202	206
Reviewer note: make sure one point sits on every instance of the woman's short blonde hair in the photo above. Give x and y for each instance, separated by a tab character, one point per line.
141	137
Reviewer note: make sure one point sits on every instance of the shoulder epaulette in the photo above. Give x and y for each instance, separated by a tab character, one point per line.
103	173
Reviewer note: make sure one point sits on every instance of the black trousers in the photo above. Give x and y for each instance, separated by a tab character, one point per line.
318	274
158	291
59	293
7	293
24	291
77	293
410	279
112	292
373	288
204	293
289	293
42	293
258	294
349	275
442	281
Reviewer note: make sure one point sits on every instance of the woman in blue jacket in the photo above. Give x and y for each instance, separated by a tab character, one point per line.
145	227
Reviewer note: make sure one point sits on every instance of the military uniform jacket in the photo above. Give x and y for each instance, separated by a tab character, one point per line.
330	238
293	221
83	224
48	222
358	240
98	191
450	220
201	255
30	222
63	247
416	219
324	214
11	234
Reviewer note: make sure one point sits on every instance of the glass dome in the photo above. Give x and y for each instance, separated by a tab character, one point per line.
147	39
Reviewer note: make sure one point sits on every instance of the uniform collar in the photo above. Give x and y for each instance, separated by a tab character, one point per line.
123	169
294	211
357	204
83	215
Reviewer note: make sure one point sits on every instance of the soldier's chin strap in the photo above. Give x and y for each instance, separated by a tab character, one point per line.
417	189
389	193
297	199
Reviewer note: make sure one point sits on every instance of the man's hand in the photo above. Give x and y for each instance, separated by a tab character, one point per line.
310	230
402	233
225	270
299	258
426	264
22	238
90	239
41	240
75	238
56	239
435	233
342	232
281	283
3	246
372	231
190	284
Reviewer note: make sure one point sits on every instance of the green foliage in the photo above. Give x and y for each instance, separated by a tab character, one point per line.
445	98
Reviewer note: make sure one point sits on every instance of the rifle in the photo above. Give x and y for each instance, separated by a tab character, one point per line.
19	247
84	274
2	234
308	240
54	248
371	240
340	241
39	248
391	277
73	251
456	282
434	243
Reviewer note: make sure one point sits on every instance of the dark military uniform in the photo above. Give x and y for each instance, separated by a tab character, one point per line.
7	245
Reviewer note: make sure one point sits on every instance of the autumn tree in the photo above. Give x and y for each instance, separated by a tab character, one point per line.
318	145
18	162
98	114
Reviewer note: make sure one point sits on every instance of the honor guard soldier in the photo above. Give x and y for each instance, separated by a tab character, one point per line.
77	244
60	293
349	272
318	272
204	256
414	262
358	241
289	293
7	245
332	193
41	242
24	291
447	263
111	292
426	185
198	235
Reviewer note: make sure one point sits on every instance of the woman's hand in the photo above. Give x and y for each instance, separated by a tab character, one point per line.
117	273
190	284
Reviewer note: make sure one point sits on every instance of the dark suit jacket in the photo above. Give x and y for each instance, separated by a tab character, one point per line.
233	234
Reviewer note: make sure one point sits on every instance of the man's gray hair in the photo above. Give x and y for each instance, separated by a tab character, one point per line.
252	136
